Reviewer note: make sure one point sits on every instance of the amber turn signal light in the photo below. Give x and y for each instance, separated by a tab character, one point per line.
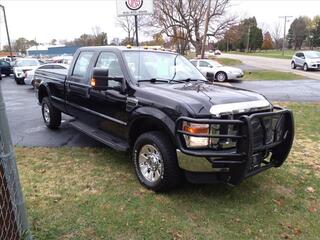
93	82
196	129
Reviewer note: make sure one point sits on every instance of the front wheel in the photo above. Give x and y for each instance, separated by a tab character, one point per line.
51	115
221	77
155	162
305	67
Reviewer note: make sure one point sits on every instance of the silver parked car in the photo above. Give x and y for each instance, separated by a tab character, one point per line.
307	60
215	71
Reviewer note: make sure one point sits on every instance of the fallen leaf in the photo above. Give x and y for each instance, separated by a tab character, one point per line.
310	189
285	236
297	232
312	209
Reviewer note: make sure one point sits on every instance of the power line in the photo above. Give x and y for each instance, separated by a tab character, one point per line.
286	19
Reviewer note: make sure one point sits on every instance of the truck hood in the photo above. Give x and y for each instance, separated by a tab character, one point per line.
205	98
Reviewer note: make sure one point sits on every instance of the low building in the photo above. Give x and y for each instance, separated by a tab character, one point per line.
51	50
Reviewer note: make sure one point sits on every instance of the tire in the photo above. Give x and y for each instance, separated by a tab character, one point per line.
293	65
51	115
305	67
155	162
221	77
19	81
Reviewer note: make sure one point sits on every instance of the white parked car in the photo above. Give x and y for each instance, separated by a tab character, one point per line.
22	66
307	60
215	71
29	75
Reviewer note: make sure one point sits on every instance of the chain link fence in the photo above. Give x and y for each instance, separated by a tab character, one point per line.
13	221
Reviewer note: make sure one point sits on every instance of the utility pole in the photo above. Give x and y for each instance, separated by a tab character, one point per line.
203	49
248	40
8	36
286	19
136	26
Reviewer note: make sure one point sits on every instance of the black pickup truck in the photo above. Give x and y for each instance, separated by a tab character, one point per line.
175	123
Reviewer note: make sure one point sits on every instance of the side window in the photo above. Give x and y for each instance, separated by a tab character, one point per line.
46	67
110	61
58	67
298	55
194	63
204	64
302	56
82	64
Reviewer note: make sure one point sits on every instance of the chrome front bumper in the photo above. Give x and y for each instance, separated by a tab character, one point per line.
197	164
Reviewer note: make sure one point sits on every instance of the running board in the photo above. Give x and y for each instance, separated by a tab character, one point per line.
101	136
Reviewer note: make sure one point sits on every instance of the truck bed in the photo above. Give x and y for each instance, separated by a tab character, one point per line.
58	74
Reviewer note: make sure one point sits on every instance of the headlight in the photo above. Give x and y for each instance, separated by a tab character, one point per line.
196	129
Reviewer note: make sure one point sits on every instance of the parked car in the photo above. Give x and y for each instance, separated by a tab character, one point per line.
29	75
175	122
307	60
6	68
22	66
215	71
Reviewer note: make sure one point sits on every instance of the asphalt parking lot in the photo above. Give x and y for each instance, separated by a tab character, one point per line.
28	129
26	124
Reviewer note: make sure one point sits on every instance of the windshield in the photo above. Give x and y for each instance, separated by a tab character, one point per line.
214	63
312	54
160	66
27	63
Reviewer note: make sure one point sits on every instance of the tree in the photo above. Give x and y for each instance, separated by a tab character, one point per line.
299	32
316	34
184	20
277	35
21	45
53	42
290	38
128	25
256	38
267	41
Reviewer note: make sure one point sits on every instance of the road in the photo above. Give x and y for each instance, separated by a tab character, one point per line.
272	64
26	124
28	129
288	91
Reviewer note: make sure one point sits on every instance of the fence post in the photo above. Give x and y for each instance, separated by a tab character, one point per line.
13	220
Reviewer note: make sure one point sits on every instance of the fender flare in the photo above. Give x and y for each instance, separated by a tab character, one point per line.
155	115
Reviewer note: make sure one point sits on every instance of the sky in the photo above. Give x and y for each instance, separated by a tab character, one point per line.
44	20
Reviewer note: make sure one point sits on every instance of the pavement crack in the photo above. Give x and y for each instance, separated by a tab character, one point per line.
67	141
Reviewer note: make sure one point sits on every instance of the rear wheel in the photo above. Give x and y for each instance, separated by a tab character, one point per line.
221	77
293	65
155	162
305	67
51	115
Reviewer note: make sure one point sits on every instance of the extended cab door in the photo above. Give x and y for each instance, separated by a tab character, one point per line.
77	86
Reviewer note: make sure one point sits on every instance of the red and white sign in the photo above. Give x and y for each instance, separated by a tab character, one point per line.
134	4
134	7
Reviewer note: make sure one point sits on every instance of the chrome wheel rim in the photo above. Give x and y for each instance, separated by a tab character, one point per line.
150	163
305	67
221	77
46	113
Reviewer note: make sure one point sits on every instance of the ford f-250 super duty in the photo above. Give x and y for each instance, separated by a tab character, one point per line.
175	123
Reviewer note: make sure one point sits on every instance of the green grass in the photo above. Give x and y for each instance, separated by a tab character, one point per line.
85	193
228	61
271	75
270	54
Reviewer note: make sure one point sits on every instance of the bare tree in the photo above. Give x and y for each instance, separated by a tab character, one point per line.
184	19
128	25
277	35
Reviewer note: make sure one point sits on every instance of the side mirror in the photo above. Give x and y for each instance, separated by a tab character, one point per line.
102	82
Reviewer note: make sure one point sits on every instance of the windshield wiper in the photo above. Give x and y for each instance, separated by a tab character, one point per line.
154	80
